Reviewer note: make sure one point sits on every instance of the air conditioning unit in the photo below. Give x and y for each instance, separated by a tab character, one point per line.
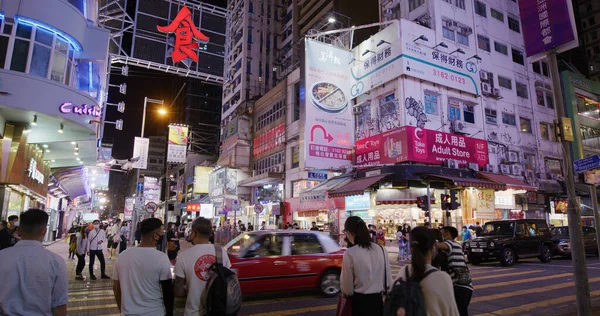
452	25
457	127
466	30
451	163
489	168
513	156
455	25
516	170
486	88
473	166
278	168
504	169
484	75
529	174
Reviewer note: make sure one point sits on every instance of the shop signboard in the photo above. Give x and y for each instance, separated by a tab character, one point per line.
201	176
414	144
206	210
177	146
485	203
128	208
546	25
319	175
192	207
140	151
403	54
358	202
84	109
328	118
504	200
271	139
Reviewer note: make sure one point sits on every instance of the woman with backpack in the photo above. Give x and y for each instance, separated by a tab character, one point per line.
366	271
436	286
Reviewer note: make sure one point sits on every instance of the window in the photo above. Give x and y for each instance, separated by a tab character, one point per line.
453	112
497	15
269	245
460	4
513	24
552	133
462	38
449	1
529	161
413	4
504	82
517	57
272	114
539	96
483	42
480	8
296	114
525	124
501	48
431	103
491	116
295	157
536	68
549	100
270	164
509	119
545	69
469	113
544	134
448	33
522	90
304	244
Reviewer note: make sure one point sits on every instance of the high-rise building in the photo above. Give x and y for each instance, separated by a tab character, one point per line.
156	157
589	24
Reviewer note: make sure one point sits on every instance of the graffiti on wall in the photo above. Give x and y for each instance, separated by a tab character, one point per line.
417	110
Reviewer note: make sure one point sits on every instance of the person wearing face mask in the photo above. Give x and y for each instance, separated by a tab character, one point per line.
9	235
141	288
96	238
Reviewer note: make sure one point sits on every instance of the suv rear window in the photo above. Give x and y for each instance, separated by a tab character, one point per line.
498	229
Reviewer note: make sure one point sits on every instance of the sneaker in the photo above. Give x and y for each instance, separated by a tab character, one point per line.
79	277
105	277
92	277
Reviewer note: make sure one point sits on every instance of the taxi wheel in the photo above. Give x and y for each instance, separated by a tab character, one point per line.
330	283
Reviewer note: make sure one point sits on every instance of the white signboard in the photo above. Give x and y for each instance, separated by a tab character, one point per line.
411	57
504	200
128	208
206	210
140	149
328	130
34	173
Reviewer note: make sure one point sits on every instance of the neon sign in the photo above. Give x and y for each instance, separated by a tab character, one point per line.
34	173
186	36
83	109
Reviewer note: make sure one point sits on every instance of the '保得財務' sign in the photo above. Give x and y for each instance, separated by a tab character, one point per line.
546	25
410	143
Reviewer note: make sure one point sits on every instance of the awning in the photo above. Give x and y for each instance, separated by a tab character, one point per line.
395	197
511	183
550	186
261	179
355	187
74	181
469	182
320	192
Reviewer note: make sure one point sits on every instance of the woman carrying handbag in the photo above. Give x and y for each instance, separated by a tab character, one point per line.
365	272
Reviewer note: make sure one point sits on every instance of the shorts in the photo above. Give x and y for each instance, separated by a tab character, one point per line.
110	243
114	245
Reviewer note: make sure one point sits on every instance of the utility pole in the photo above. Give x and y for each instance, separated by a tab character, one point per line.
582	286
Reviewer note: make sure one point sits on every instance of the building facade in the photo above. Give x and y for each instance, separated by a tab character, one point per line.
589	24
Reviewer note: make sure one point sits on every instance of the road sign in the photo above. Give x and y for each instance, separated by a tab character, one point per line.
258	208
140	186
587	163
151	207
236	205
139	202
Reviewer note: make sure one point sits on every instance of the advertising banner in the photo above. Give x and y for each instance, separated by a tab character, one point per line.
151	190
269	140
128	208
546	24
410	143
140	149
177	146
358	202
206	210
407	57
328	130
201	176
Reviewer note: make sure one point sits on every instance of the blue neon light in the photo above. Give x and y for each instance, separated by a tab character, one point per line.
74	43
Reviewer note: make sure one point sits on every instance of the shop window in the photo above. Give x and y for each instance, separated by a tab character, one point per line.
304	244
491	116
24	31
522	90
525	125
544	133
431	103
504	82
509	119
483	42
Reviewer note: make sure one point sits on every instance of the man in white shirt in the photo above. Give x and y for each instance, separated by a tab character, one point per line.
192	267
33	280
96	238
140	274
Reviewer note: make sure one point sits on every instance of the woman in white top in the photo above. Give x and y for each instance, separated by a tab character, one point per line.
437	288
365	270
82	249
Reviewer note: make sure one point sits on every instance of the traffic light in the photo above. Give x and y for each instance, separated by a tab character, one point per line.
454	200
422	203
445	202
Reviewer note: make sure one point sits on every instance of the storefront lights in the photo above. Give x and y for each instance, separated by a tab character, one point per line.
74	43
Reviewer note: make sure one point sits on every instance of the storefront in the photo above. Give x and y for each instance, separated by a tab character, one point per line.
511	202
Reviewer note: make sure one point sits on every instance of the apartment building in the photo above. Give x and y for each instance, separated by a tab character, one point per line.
156	157
589	24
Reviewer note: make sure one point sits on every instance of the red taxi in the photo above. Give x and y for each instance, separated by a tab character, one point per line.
281	260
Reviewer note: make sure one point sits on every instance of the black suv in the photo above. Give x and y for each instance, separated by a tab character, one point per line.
510	240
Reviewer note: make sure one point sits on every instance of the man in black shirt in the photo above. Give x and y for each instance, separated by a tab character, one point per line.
314	227
9	235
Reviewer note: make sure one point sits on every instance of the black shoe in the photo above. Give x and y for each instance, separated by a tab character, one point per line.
92	277
105	277
79	277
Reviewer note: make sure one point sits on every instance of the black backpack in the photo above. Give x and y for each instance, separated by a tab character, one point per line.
408	295
223	292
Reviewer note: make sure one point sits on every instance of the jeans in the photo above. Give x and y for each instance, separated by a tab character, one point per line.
100	255
463	298
80	264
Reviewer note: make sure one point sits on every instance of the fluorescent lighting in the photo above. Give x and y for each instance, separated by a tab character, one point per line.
52	160
61	129
45	145
48	150
331	20
73	143
76	153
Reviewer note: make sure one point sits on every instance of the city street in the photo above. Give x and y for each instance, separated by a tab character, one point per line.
528	288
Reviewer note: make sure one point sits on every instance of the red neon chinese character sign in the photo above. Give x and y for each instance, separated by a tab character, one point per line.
185	33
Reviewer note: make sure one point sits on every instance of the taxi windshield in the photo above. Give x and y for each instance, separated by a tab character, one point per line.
238	245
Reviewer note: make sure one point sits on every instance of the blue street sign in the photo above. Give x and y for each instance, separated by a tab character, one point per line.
587	163
140	186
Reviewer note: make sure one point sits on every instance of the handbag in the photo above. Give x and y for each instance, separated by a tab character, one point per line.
344	306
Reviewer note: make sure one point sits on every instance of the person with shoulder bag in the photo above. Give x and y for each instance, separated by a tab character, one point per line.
421	289
365	274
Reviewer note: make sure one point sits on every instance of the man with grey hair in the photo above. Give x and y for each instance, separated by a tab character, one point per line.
29	263
192	267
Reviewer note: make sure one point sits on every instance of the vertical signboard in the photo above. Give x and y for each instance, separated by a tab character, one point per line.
140	151
328	129
128	208
151	190
546	25
201	179
177	146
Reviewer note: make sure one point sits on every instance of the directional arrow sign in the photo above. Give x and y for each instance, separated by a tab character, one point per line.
587	163
327	136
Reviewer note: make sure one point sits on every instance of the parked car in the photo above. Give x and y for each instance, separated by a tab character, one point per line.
281	260
562	243
510	240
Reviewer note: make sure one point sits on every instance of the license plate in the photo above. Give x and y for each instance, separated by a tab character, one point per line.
476	250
